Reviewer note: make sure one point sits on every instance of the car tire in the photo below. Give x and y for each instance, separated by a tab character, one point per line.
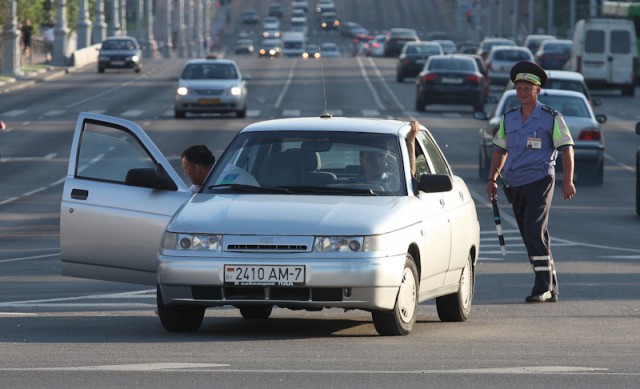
638	182
138	69
256	312
483	164
178	114
242	113
420	105
456	307
629	90
100	69
399	77
400	320
179	318
589	174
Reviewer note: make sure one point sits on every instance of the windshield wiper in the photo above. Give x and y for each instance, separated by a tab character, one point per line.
251	188
330	190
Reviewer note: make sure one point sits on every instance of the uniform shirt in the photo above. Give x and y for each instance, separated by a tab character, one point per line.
526	162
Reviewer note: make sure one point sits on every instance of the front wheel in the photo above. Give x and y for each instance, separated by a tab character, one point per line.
400	320
457	306
181	318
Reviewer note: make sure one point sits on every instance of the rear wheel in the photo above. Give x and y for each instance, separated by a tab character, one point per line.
178	114
100	69
629	90
179	318
589	174
638	183
420	105
242	113
457	306
400	320
256	312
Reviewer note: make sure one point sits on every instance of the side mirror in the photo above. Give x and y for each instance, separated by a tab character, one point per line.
601	118
480	115
596	101
435	183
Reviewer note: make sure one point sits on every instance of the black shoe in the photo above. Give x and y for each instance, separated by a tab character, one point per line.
554	298
540	298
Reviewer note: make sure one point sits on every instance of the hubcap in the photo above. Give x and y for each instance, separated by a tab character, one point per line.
407	296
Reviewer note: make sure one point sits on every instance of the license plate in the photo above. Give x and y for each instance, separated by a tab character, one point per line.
264	275
421	61
208	101
450	80
117	63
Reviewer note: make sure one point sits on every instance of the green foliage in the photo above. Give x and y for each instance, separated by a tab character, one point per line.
43	12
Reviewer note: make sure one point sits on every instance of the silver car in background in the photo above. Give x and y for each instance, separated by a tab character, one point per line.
583	123
210	86
290	216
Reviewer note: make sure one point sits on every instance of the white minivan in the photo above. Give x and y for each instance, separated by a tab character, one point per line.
604	51
293	43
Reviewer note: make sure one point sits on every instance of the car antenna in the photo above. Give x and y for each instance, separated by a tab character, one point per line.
325	114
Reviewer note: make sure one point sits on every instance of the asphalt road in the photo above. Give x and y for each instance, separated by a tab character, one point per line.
63	332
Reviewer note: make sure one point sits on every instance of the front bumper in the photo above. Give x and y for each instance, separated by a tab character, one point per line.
356	283
209	104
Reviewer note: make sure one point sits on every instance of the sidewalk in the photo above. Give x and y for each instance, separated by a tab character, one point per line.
36	71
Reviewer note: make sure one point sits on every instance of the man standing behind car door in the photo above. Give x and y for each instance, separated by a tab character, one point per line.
197	162
527	145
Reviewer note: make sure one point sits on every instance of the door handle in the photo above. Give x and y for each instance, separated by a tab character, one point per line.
79	194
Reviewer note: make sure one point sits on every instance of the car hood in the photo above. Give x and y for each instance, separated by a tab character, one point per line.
209	83
293	214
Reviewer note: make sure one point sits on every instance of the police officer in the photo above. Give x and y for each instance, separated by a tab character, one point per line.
525	150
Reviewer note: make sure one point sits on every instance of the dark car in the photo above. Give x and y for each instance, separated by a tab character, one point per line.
244	46
270	48
450	79
397	38
638	174
329	21
554	53
413	57
276	9
250	16
120	52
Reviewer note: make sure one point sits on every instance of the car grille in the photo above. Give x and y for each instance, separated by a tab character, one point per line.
267	247
274	294
209	92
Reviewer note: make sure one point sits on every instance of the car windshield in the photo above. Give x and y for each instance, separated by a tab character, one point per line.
311	162
120	44
207	71
566	105
511	55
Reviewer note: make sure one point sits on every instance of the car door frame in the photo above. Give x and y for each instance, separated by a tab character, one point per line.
110	230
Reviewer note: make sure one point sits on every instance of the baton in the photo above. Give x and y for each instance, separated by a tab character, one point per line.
496	217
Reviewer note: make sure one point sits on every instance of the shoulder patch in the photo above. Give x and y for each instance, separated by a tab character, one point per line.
550	110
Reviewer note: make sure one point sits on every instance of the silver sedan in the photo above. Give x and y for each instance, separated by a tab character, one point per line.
305	213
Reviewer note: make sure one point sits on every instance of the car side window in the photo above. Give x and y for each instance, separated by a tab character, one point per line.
108	153
422	165
440	165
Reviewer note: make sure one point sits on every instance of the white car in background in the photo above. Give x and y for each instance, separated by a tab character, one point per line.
502	58
376	46
286	218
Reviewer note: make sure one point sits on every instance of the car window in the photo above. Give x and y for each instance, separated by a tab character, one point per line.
566	85
594	41
566	105
451	64
209	71
511	55
108	153
439	162
620	42
309	158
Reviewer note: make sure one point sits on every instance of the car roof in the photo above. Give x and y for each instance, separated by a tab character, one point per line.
551	92
565	74
207	60
375	125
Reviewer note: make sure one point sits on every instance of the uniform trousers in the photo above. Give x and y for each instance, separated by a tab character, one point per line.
531	205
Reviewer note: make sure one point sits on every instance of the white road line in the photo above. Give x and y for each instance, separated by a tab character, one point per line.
14	113
285	88
132	113
384	83
624	166
130	367
363	71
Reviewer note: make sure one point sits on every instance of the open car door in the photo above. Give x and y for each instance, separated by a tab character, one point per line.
118	197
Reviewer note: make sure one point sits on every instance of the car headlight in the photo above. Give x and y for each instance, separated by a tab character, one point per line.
235	91
353	244
192	242
182	91
135	58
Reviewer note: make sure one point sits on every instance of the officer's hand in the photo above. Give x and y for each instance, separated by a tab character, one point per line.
492	190
568	189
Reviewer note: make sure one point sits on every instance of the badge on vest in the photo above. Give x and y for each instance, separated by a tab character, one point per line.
534	143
